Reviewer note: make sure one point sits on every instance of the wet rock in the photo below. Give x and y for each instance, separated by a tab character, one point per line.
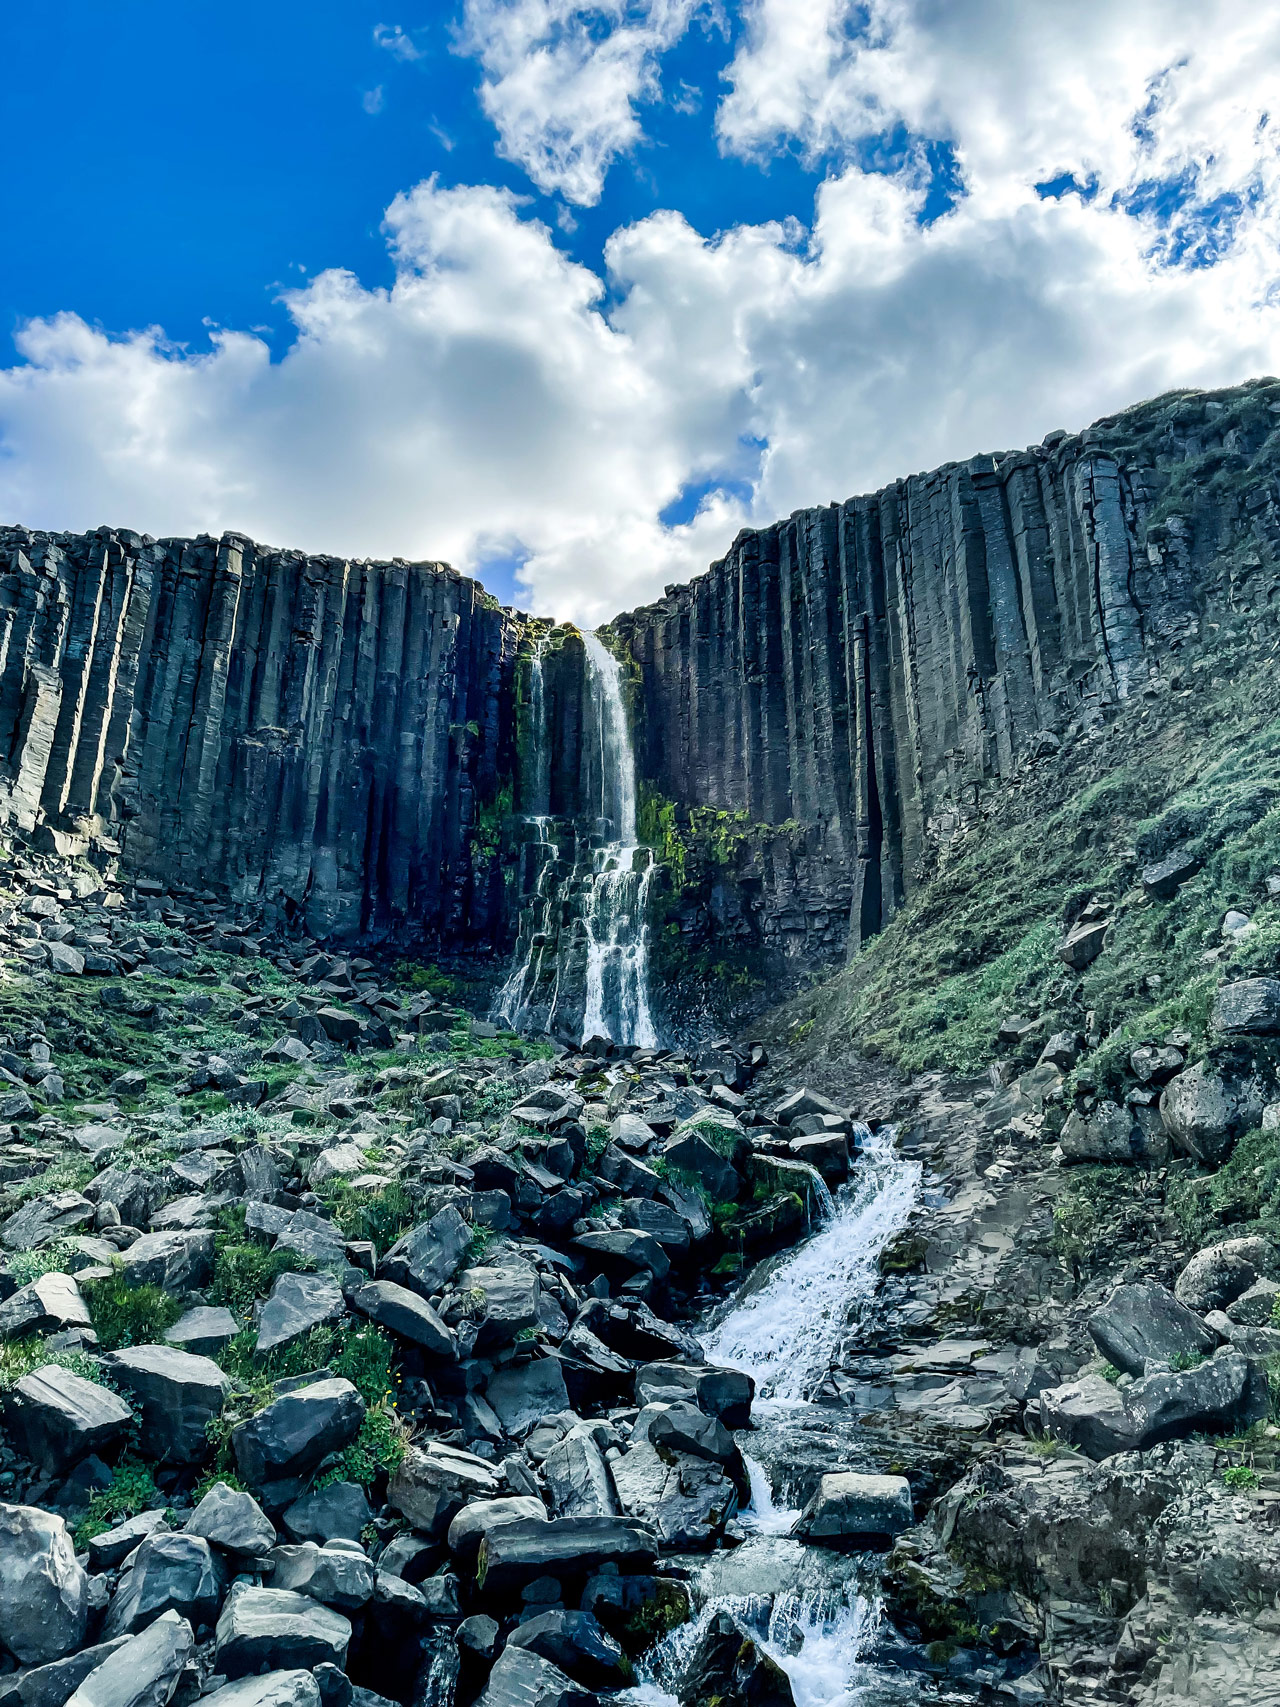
277	1450
481	1517
435	1481
232	1521
1220	1273
1090	1414
687	1500
682	1427
404	1314
523	1679
563	1547
575	1642
1145	1323
278	1629
113	1546
178	1396
338	1576
855	1511
689	1152
144	1671
57	1418
297	1304
722	1393
622	1253
44	1594
170	1573
49	1305
730	1668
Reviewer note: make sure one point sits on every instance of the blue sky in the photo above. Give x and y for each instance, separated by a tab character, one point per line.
567	294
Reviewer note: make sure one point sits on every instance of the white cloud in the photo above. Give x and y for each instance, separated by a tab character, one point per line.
373	100
496	393
398	42
562	81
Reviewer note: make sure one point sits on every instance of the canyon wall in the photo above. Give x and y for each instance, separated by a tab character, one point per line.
862	673
817	717
310	733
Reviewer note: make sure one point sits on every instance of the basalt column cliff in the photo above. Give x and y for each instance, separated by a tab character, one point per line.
861	673
813	720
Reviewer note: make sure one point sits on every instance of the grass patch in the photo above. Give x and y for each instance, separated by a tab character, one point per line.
132	1490
124	1315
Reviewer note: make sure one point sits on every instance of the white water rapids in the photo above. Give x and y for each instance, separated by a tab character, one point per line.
787	1331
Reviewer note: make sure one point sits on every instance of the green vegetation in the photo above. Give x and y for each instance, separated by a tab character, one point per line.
244	1273
378	1449
1240	1478
381	1216
22	1357
129	1315
132	1490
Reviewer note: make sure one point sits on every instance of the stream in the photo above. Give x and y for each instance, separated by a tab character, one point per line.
815	1611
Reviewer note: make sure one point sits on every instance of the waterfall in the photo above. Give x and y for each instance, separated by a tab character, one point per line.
616	907
583	944
786	1329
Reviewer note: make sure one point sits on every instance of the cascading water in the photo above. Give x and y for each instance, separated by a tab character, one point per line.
786	1330
582	956
616	913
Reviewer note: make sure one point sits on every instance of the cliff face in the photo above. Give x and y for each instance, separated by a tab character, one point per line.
339	742
309	733
866	670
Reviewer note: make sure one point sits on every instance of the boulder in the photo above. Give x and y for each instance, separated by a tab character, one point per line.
404	1314
232	1521
114	1546
796	1104
1219	1274
278	1450
1155	1066
178	1396
1164	877
144	1670
337	1576
624	1252
1145	1323
722	1393
1112	1133
297	1304
478	1519
1255	1307
44	1593
49	1305
1213	1396
428	1256
57	1418
502	1301
1202	1112
575	1642
682	1427
730	1668
516	1554
274	1689
276	1628
686	1500
339	1161
50	1685
523	1393
853	1511
177	1262
170	1573
1249	1008
1088	1413
523	1679
689	1152
435	1481
1083	944
203	1331
45	1218
578	1477
337	1512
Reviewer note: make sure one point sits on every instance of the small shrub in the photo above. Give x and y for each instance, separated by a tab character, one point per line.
244	1273
364	1359
381	1216
379	1447
132	1490
1240	1478
125	1315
